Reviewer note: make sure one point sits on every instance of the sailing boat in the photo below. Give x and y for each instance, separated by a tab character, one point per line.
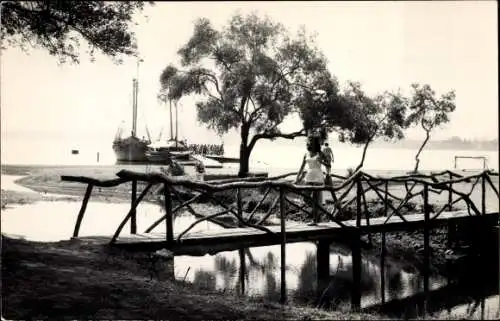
132	148
162	151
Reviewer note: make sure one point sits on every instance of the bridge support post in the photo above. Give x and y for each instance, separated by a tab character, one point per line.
450	193
382	246
239	204
356	269
133	218
322	265
359	190
283	296
82	210
483	193
382	268
241	253
168	211
426	269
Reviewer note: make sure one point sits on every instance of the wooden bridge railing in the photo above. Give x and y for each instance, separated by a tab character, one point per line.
344	192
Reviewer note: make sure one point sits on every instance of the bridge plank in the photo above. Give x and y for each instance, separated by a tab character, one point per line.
216	240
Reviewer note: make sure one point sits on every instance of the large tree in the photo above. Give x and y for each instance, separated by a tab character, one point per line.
429	111
249	75
383	117
58	26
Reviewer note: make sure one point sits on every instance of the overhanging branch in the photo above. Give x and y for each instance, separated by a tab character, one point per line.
264	135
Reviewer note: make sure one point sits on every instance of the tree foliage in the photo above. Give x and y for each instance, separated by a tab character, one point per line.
382	116
58	26
429	111
257	75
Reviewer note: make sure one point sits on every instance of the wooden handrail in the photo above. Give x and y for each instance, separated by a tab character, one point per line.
95	182
430	182
156	178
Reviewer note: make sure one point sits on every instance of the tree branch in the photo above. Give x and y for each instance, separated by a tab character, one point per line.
213	80
264	135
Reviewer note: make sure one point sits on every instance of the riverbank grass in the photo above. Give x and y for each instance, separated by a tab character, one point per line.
75	280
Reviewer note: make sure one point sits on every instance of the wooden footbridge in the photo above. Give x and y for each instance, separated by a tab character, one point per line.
347	218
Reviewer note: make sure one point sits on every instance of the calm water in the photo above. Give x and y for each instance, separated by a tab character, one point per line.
52	221
276	157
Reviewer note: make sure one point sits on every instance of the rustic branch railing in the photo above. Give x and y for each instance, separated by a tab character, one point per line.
345	191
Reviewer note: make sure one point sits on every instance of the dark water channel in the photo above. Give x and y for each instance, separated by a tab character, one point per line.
403	289
52	221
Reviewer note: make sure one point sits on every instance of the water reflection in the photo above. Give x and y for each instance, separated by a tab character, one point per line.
262	275
205	279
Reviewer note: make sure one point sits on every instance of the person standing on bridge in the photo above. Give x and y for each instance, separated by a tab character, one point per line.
200	170
313	175
328	160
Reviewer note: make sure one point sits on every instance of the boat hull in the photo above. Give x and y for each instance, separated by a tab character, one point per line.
162	156
130	150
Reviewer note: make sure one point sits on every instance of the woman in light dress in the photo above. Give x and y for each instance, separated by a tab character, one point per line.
313	174
200	170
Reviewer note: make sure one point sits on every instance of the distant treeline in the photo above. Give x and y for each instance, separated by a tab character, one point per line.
204	149
451	143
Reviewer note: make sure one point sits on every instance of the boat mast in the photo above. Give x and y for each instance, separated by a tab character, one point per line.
134	106
135	99
176	124
171	127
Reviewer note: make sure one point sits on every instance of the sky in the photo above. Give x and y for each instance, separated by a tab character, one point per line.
383	45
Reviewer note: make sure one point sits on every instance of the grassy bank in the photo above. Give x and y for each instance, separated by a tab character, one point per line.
82	281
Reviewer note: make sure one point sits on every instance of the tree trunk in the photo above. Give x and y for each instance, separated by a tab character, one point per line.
244	161
244	151
417	157
363	156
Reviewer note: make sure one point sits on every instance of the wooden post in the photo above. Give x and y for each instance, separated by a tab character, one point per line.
356	269
168	212
367	217
426	245
239	204
450	194
82	210
322	265
382	268
133	218
127	217
314	206
358	202
283	296
383	249
386	198
483	193
242	270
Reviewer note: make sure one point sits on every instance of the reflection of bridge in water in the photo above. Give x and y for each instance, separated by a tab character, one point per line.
257	273
251	230
471	291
